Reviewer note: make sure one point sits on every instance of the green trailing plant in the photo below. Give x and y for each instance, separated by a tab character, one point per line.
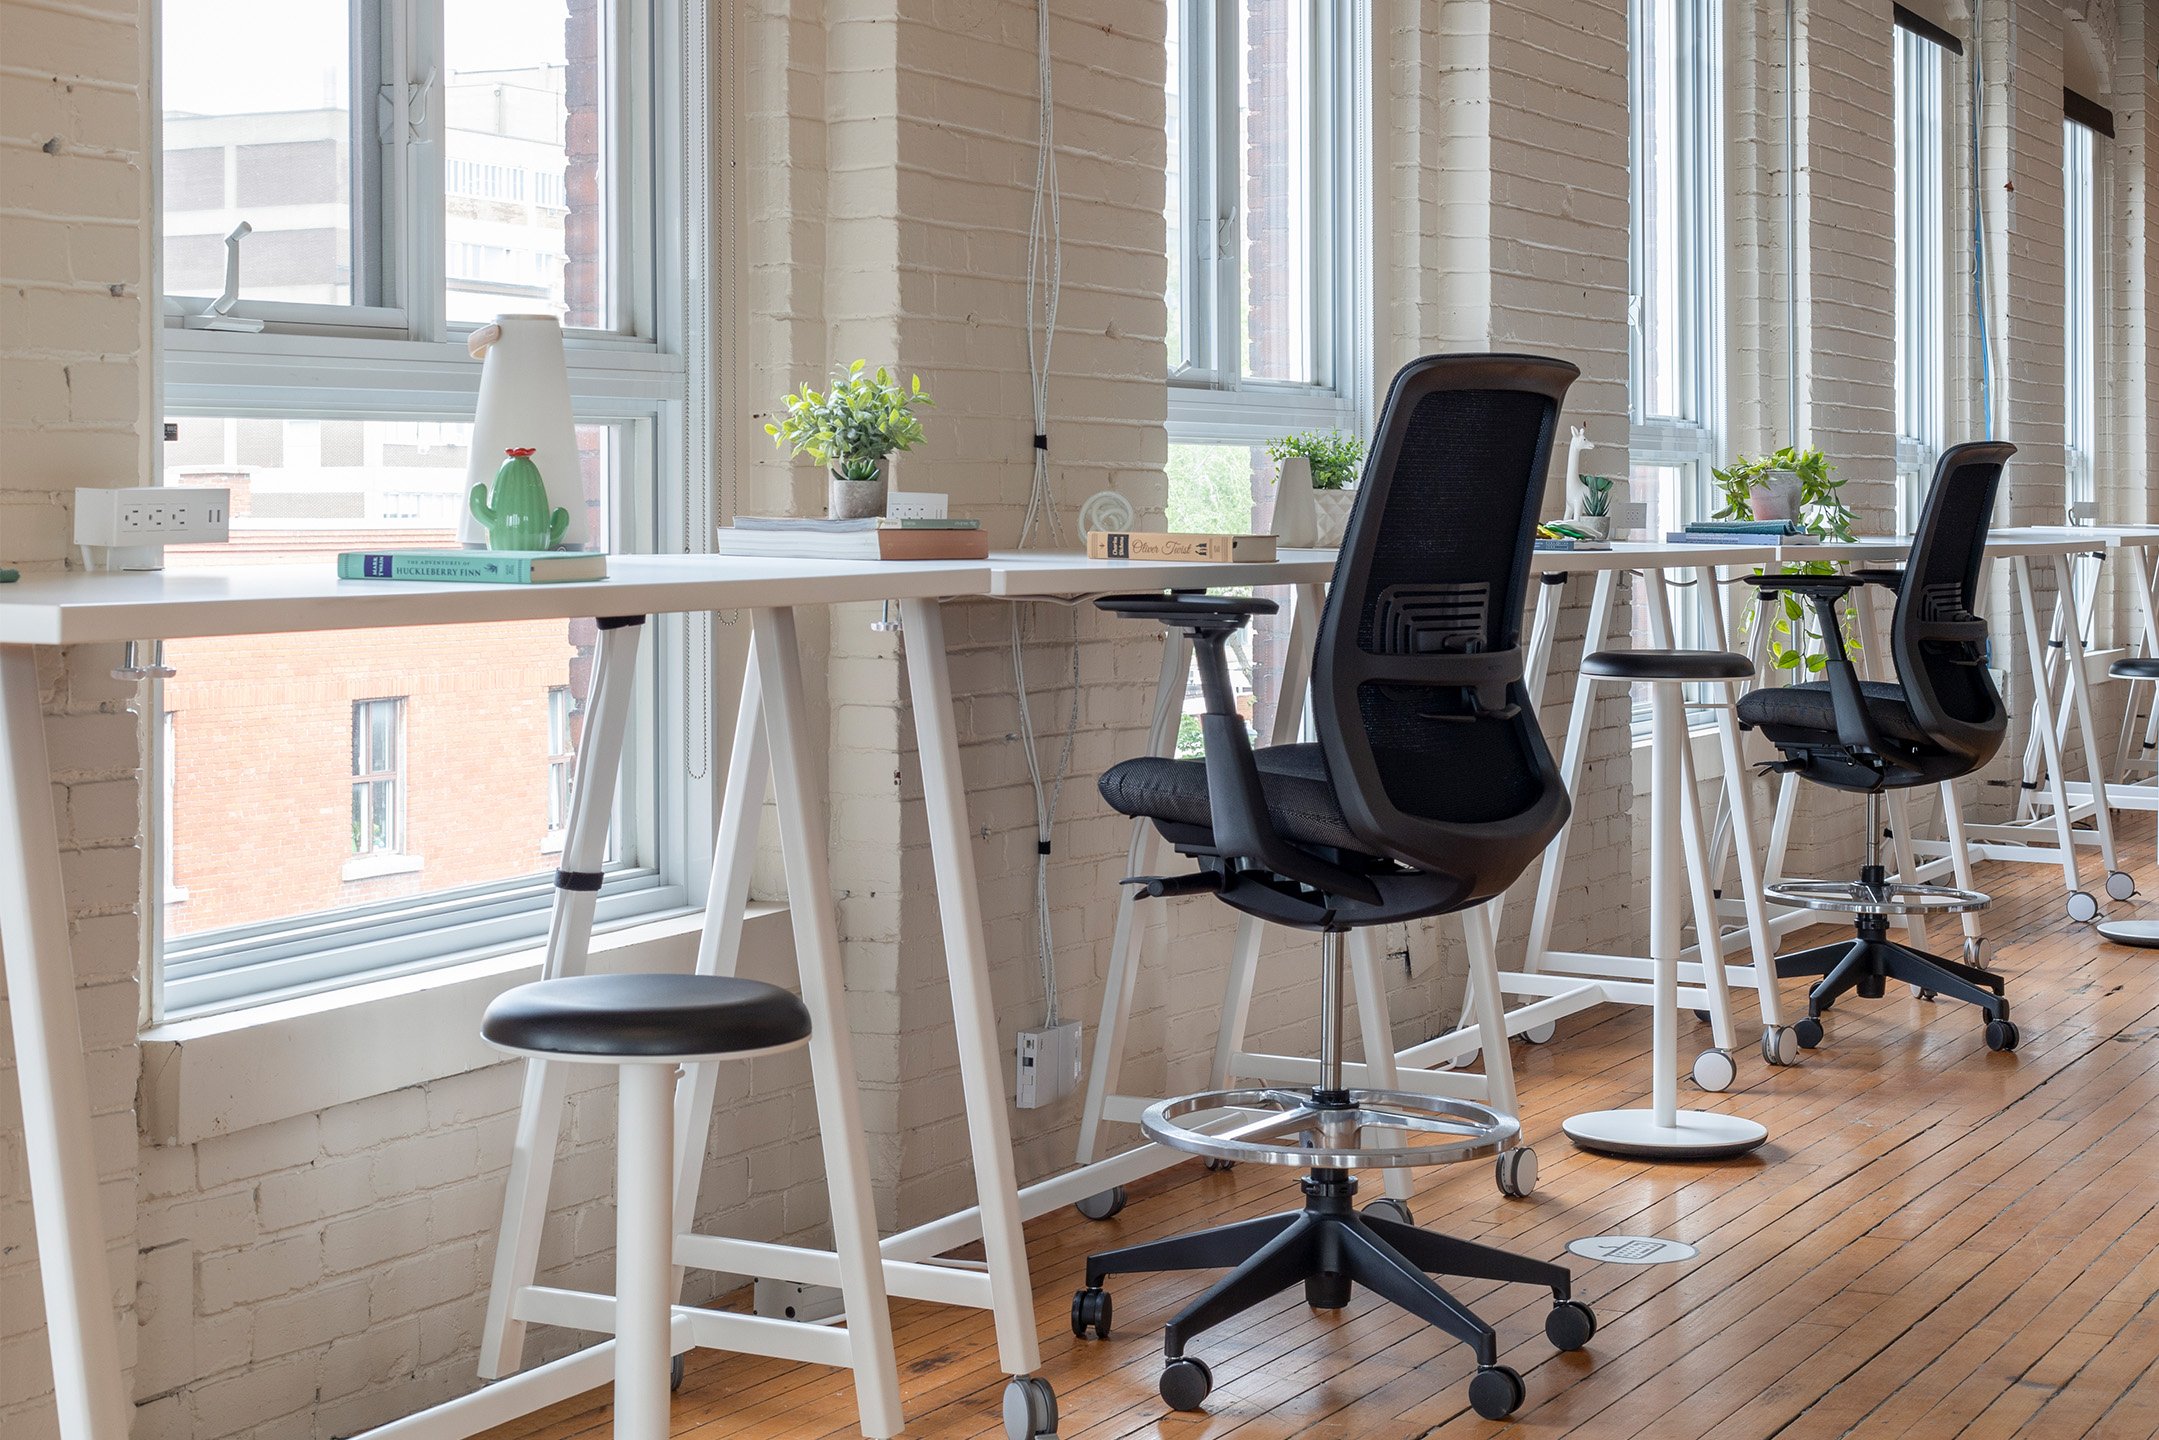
1795	641
1337	456
1596	495
864	416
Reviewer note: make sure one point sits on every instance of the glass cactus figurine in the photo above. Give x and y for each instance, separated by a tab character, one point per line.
519	519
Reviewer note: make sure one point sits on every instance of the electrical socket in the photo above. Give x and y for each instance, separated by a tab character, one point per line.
1049	1065
129	528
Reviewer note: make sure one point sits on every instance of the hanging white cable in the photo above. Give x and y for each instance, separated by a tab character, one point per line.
1045	282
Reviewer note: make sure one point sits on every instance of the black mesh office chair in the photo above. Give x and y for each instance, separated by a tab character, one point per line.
1941	719
1430	790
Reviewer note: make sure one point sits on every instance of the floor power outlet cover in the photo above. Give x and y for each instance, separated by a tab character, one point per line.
792	1300
1049	1065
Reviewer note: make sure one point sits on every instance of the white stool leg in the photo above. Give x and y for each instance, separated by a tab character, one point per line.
644	1245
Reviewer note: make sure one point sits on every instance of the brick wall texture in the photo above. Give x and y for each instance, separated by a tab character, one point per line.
323	1273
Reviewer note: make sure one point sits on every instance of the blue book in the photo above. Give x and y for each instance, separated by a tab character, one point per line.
477	567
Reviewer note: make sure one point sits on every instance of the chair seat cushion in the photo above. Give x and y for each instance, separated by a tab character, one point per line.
1667	665
1300	799
1810	707
632	1017
2135	667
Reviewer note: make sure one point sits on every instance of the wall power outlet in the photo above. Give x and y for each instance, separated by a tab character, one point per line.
127	529
1049	1067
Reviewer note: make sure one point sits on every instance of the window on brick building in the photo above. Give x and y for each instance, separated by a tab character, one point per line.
378	778
1675	391
1921	256
408	176
2080	319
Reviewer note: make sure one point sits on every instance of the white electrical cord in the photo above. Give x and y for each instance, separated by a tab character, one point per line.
1045	281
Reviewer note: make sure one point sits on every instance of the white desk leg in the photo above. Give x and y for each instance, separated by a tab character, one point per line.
734	852
1482	944
80	1326
569	937
1694	848
795	761
1375	1019
2043	721
1579	726
1308	600
2118	884
974	1016
1960	860
1128	940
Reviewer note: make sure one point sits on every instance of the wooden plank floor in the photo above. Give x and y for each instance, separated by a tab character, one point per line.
1936	1241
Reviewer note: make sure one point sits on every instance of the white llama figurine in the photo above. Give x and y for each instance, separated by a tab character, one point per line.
1576	492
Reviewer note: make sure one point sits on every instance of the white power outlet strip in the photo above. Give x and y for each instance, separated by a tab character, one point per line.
128	529
1049	1065
793	1300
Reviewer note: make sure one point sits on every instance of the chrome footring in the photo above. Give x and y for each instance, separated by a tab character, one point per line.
1893	898
1286	1127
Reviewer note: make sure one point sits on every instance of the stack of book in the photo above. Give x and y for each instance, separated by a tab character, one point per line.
876	537
1742	532
1179	545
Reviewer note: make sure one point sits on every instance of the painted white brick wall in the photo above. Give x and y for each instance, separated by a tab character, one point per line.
324	1273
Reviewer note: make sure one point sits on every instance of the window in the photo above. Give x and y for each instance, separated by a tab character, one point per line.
1675	380
1265	221
1920	257
561	759
407	174
2081	318
378	779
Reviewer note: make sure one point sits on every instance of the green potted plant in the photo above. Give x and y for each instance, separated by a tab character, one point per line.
1336	458
853	428
1596	517
1797	485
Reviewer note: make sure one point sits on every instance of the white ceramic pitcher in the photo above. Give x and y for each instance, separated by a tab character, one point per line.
525	401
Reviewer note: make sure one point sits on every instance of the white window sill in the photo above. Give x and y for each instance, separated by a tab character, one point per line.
553	844
224	1073
373	867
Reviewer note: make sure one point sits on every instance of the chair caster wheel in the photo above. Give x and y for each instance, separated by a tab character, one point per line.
1325	1291
1091	1311
1974	953
1714	1071
1030	1409
2082	907
1808	1033
1921	992
1702	1015
1215	1164
1465	1060
1571	1325
1780	1046
1386	1207
2121	885
1495	1392
675	1372
1102	1204
1185	1383
1541	1034
1516	1171
2002	1035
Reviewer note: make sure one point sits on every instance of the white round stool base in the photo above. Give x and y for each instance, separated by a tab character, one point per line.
1699	1135
2143	934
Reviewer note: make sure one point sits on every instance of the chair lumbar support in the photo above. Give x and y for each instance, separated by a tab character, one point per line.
1329	1245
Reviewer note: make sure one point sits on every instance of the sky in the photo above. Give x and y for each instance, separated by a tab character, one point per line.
234	57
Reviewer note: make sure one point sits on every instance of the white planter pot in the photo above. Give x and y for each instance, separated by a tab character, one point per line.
1776	496
1333	507
1296	517
525	401
856	499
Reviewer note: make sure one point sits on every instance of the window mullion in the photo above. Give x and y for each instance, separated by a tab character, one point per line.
1225	246
421	142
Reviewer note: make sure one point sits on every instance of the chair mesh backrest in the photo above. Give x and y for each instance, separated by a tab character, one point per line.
1947	684
1419	704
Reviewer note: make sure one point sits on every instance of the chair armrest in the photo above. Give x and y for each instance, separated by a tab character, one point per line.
1891	580
1188	609
1832	587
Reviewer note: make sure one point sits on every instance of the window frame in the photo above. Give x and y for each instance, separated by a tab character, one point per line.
1691	439
1211	400
2082	258
1920	86
332	363
389	712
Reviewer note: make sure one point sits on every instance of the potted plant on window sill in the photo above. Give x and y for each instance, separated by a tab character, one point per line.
853	428
1335	458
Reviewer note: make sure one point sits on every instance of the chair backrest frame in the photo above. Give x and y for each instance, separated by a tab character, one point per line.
1418	658
1936	638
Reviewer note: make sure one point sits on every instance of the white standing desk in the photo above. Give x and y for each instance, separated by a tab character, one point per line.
91	609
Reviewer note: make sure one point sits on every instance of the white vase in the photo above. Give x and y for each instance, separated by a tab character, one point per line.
525	402
1296	517
1333	507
